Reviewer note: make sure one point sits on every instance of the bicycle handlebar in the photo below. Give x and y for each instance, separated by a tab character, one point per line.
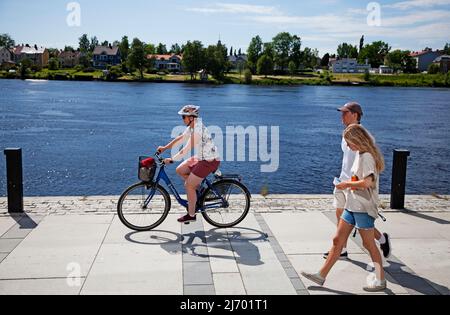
161	160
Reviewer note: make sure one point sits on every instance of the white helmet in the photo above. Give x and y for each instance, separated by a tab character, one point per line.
190	110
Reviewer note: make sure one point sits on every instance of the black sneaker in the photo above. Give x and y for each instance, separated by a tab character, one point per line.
343	256
187	219
386	247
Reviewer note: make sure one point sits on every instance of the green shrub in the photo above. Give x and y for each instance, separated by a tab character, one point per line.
248	77
434	69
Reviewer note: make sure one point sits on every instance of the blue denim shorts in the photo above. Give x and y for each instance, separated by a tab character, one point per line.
362	221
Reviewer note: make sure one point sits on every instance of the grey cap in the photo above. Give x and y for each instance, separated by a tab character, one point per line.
351	107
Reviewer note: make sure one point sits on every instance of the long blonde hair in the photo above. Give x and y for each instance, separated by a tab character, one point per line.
360	137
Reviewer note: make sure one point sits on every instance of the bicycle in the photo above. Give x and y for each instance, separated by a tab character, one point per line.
223	203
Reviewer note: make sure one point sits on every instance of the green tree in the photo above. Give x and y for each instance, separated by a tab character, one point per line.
447	49
84	44
124	47
161	49
150	49
400	60
231	51
265	65
216	60
175	49
309	58
105	43
296	51
434	68
325	61
282	44
361	44
374	53
85	60
193	57
137	58
69	48
6	40
25	66
93	43
292	68
269	51
241	66
53	52
347	51
53	64
254	51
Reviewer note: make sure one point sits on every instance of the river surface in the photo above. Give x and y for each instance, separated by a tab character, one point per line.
84	138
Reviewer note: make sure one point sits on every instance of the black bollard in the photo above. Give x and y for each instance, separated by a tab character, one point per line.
14	180
398	188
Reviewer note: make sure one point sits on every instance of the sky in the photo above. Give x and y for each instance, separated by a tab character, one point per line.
322	24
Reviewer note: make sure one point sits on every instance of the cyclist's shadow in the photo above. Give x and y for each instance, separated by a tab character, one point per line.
238	241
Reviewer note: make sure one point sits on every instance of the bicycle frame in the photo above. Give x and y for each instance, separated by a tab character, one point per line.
162	175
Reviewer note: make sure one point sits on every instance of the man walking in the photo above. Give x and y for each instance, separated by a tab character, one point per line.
352	114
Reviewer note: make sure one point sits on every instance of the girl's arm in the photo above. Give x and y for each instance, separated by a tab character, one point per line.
361	184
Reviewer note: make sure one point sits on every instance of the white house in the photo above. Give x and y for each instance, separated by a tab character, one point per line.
167	62
385	70
348	65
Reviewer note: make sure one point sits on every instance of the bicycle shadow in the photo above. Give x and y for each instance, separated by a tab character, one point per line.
239	242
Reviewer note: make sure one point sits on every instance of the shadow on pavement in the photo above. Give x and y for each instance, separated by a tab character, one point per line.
424	216
24	221
396	274
238	242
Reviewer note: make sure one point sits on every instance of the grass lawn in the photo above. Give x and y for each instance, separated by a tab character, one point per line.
309	78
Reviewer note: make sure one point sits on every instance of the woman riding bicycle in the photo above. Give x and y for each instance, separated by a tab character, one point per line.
205	161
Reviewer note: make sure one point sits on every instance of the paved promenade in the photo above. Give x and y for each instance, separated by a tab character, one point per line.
77	245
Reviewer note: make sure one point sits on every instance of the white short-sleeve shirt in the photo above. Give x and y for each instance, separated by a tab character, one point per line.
364	200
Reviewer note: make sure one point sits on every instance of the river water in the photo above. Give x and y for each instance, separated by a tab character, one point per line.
84	138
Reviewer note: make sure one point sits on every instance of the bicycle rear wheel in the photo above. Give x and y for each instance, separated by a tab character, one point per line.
135	214
238	198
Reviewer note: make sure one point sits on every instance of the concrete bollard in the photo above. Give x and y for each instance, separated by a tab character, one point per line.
14	179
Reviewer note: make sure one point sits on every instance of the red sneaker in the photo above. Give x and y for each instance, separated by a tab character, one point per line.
187	218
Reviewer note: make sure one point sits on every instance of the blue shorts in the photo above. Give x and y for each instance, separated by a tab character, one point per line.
362	221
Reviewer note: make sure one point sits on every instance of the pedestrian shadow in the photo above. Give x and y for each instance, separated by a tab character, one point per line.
324	289
423	216
239	242
395	273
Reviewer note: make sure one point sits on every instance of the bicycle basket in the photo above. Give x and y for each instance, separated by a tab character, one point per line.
146	169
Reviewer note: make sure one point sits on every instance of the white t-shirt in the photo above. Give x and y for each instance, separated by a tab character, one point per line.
364	200
347	161
205	149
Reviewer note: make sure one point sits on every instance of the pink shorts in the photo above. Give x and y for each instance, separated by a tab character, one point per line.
203	168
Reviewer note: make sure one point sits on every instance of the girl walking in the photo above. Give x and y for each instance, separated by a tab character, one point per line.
361	207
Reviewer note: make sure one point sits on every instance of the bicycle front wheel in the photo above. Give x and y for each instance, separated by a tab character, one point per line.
143	206
235	194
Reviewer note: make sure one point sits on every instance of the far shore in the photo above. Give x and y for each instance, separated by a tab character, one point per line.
309	78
